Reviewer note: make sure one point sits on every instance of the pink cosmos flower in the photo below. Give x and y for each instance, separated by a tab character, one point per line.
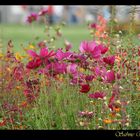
56	68
38	59
109	76
43	12
43	53
42	71
91	48
85	88
60	68
97	95
61	55
96	53
89	78
72	68
97	71
109	60
100	72
87	47
103	49
32	17
93	25
35	63
76	80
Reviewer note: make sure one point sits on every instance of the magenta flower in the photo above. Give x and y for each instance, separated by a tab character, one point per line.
85	88
109	76
89	78
32	17
100	72
76	80
91	48
97	95
43	53
42	71
38	59
56	68
72	68
61	55
32	54
60	68
97	71
43	12
93	25
109	60
87	47
35	63
96	53
103	49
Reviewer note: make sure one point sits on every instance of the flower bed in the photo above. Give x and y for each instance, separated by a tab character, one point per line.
95	87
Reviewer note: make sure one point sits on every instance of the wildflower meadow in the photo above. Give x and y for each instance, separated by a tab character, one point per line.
92	86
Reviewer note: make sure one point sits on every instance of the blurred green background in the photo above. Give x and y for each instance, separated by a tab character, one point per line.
22	35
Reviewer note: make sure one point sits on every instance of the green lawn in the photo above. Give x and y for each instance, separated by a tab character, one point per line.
21	35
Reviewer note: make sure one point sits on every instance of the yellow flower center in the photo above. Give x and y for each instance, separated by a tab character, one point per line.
18	56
